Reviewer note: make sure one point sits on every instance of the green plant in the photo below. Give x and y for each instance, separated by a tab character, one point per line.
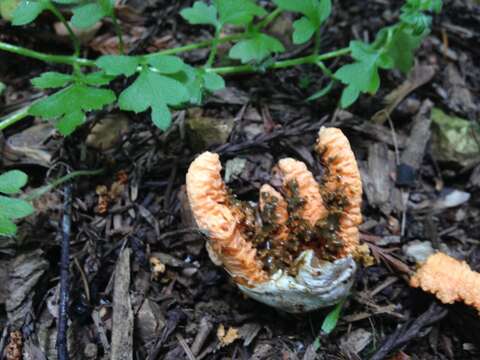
11	208
162	81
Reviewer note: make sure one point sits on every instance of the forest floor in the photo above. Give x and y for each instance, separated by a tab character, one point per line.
185	307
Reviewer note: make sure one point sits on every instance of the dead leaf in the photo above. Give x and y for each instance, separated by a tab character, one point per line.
226	337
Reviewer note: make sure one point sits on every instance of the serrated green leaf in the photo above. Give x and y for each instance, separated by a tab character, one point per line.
303	30
28	11
237	12
331	319
193	81
96	78
7	227
12	208
65	105
165	64
213	82
321	93
12	181
51	79
85	16
118	64
362	75
305	7
349	95
402	49
155	91
200	14
317	11
67	2
255	48
67	124
7	8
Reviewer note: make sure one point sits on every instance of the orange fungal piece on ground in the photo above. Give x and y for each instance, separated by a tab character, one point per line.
295	174
211	207
449	280
341	178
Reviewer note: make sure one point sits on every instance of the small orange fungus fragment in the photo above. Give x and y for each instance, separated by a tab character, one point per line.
449	280
341	177
212	209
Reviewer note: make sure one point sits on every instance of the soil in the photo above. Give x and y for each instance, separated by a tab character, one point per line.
136	258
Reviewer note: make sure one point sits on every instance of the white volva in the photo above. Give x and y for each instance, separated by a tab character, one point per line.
318	284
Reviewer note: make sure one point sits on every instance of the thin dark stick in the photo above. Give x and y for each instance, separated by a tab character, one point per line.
62	348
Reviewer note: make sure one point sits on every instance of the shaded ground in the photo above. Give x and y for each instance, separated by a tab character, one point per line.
138	203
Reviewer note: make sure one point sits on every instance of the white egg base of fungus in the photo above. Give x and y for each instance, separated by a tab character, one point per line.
312	288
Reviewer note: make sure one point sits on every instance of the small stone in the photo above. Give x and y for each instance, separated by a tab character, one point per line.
418	251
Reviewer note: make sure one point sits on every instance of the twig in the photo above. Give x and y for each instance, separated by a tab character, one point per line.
185	347
64	277
410	330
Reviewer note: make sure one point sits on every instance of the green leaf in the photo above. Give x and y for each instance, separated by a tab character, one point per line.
321	92
7	8
67	124
12	181
155	91
213	82
96	78
7	227
349	95
85	16
237	12
200	13
28	10
64	106
165	64
2	87
118	64
362	75
317	11
255	48
67	2
331	319
303	30
14	208
51	79
402	49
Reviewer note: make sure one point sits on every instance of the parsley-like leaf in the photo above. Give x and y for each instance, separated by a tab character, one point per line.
165	64
213	82
66	107
118	64
12	181
200	14
10	208
237	12
315	13
155	91
87	15
28	11
256	48
51	79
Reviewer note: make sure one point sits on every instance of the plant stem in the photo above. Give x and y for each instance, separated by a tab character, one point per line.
58	59
269	18
14	118
118	31
310	59
73	37
213	50
46	188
